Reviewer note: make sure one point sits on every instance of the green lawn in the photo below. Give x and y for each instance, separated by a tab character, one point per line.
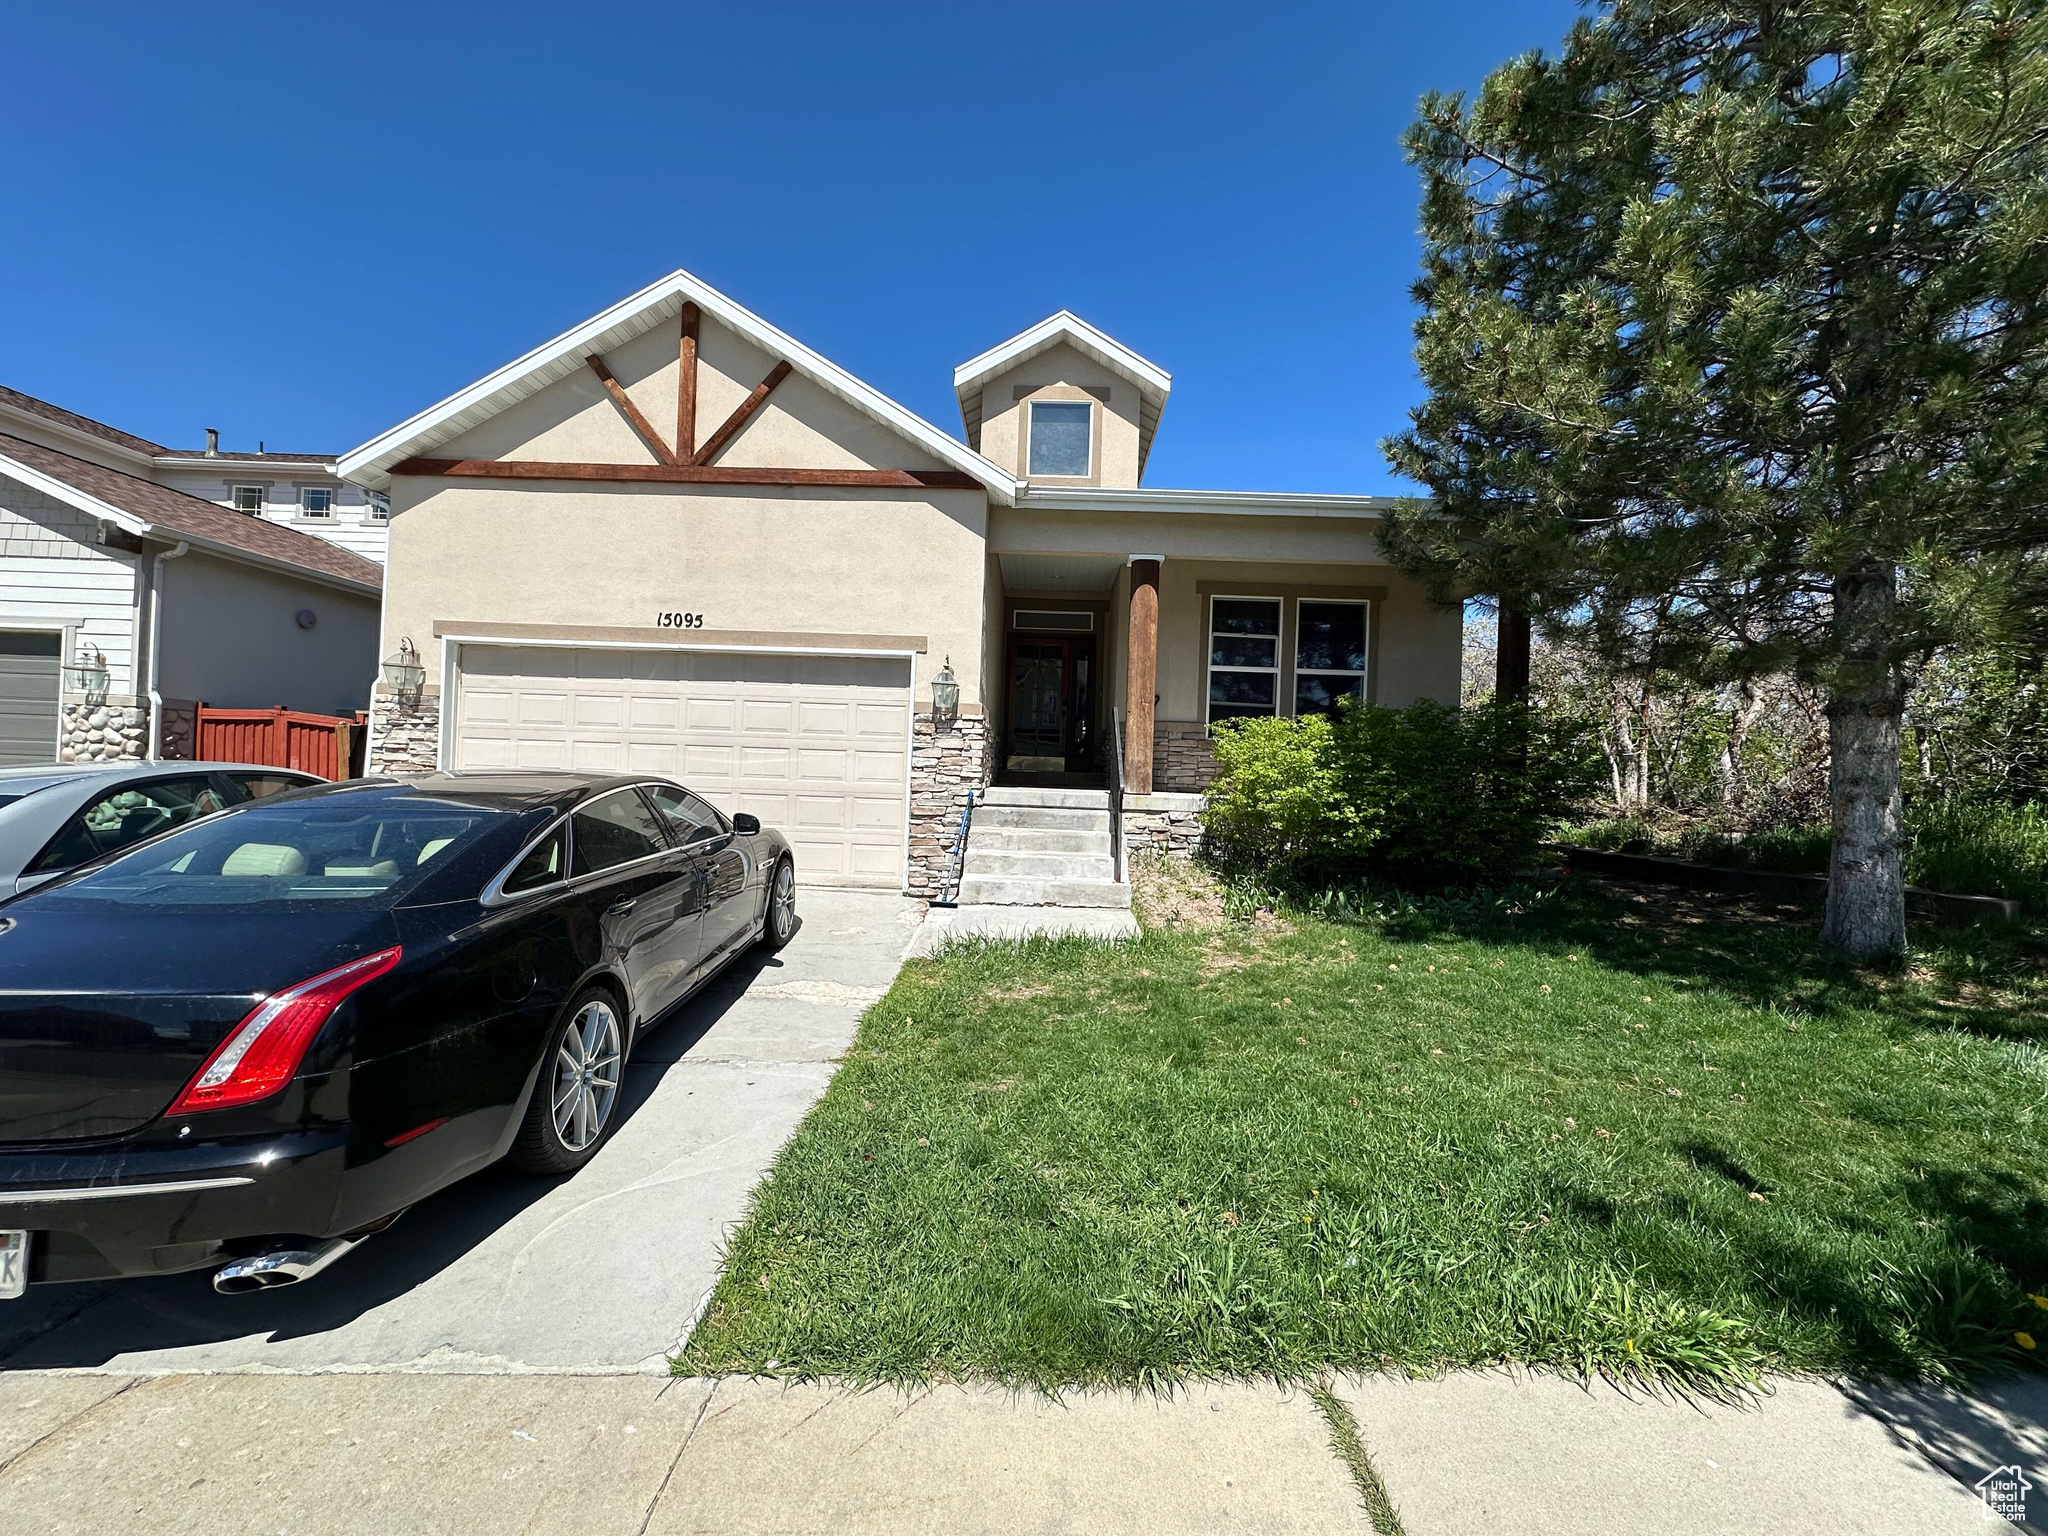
1621	1131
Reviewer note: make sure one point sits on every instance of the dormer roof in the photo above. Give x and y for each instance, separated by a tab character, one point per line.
1152	382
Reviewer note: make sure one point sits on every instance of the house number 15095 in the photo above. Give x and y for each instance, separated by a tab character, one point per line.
679	620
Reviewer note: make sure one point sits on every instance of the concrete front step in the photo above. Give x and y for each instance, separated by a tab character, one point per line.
1035	840
1043	818
1023	891
1038	865
1045	799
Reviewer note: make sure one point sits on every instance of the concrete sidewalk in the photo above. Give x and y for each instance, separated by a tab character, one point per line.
396	1454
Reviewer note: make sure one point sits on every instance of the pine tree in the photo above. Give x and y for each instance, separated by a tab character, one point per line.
1735	320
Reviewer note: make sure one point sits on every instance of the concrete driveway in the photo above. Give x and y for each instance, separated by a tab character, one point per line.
601	1272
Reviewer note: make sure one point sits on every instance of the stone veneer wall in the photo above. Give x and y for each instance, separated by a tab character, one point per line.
1163	823
178	736
1183	761
102	730
944	765
405	742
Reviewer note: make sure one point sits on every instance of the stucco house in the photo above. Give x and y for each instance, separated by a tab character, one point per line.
125	602
676	539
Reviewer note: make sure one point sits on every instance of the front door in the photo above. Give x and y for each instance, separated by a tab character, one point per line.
1051	705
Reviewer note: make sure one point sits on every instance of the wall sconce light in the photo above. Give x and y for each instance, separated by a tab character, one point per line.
945	698
404	675
88	675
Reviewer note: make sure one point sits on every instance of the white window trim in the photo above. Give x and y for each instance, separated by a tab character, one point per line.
1361	672
1030	430
235	490
333	503
1209	666
377	508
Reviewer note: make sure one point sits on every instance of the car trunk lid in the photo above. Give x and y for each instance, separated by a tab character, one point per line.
103	1018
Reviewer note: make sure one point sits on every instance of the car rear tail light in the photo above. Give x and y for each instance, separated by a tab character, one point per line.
266	1048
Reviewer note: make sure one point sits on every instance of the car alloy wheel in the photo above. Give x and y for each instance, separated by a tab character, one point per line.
586	1076
782	906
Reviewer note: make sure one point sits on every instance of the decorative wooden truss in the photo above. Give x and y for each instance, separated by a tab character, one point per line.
687	462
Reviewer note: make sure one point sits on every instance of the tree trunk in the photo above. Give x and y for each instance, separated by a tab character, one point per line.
1511	653
1866	915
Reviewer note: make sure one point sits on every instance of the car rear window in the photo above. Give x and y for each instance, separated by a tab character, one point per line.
322	852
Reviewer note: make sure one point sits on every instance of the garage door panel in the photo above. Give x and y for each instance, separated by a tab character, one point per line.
646	712
598	711
813	745
878	767
664	758
822	718
543	709
766	717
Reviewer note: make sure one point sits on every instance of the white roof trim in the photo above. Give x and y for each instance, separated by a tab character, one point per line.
251	466
370	464
128	522
1222	503
1050	332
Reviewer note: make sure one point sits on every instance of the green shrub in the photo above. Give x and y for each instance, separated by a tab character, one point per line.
1968	848
1980	850
1424	793
1274	799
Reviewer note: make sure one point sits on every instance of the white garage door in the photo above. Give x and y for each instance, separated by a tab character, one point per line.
816	746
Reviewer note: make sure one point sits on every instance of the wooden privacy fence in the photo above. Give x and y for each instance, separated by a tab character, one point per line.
280	738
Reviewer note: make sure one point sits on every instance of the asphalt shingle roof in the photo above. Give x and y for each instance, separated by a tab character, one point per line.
178	514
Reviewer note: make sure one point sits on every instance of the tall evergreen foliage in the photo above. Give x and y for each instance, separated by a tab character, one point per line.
1736	334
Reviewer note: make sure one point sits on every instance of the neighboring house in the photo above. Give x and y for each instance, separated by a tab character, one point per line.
676	539
125	603
298	490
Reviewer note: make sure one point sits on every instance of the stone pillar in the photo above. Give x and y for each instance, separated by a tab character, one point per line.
1141	673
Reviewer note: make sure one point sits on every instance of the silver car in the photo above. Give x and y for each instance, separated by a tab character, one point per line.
56	818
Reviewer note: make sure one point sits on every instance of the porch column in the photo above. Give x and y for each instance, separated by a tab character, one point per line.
1141	673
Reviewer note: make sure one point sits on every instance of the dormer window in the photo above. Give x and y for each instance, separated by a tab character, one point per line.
1061	432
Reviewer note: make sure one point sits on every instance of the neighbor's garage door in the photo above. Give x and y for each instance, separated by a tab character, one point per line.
816	746
28	696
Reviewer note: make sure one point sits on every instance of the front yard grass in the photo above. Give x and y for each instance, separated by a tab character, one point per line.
1620	1130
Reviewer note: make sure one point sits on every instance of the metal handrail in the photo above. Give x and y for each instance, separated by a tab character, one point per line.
1116	795
949	894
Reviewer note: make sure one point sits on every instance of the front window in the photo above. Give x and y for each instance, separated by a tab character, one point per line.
1244	657
380	508
249	499
1329	656
1060	431
317	501
326	851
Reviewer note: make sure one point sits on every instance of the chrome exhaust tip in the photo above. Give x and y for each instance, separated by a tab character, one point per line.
283	1266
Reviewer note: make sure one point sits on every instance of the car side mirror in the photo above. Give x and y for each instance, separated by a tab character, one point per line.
744	824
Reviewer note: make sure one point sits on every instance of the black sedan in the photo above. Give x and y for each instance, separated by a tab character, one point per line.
254	1041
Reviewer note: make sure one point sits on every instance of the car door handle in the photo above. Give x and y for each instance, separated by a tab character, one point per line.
619	908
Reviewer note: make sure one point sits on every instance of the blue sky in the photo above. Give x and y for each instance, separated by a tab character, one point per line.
302	224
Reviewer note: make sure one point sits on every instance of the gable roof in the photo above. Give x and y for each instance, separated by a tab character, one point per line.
1152	382
143	507
652	306
29	405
